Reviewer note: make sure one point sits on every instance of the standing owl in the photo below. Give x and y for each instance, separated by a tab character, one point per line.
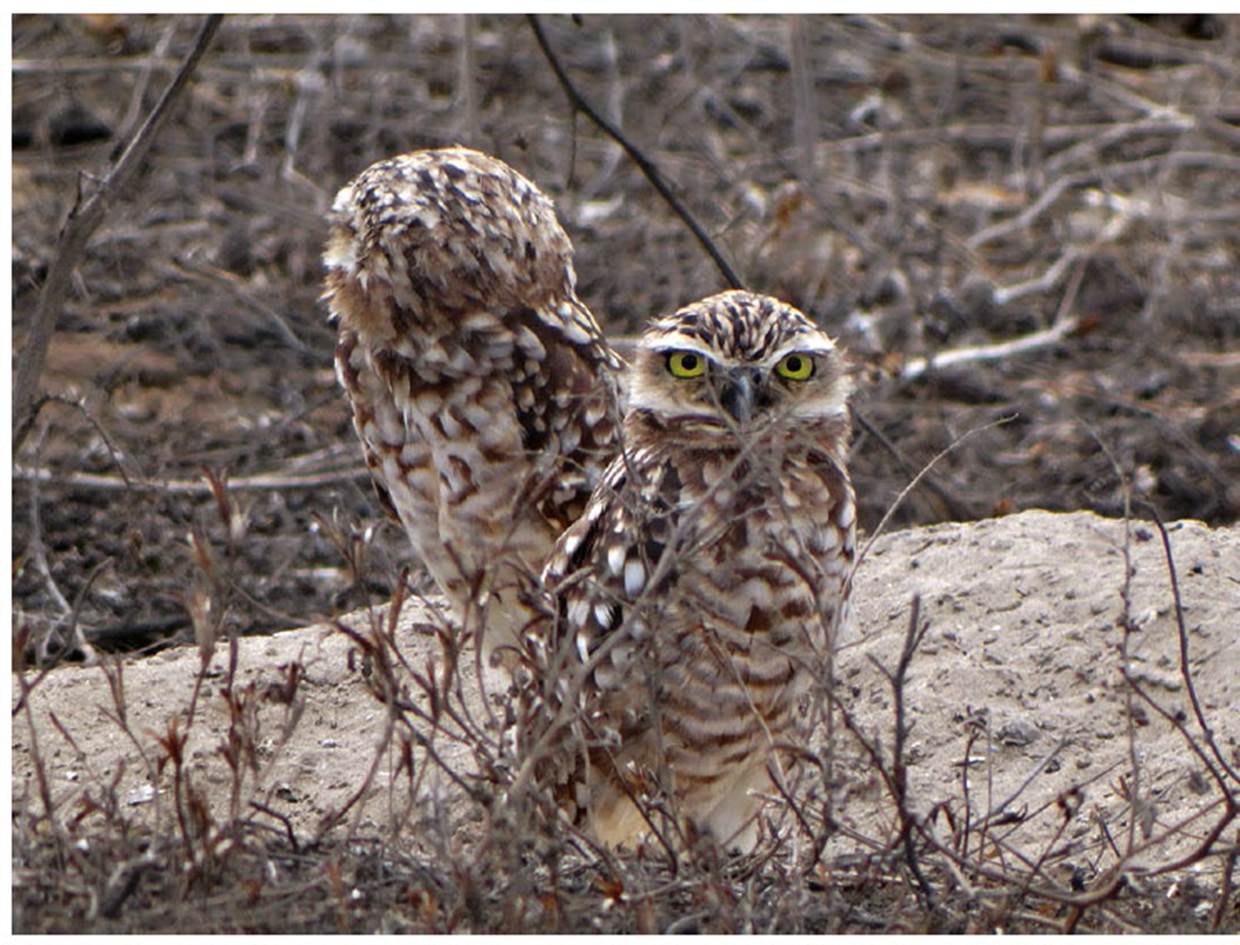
690	609
482	389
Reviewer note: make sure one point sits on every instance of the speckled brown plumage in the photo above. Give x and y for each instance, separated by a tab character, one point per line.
481	386
690	608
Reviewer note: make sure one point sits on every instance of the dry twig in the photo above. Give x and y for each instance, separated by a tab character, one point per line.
647	166
258	483
917	368
84	219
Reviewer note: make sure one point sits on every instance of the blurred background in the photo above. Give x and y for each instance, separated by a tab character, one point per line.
1048	204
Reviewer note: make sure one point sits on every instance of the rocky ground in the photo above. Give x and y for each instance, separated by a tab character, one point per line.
947	184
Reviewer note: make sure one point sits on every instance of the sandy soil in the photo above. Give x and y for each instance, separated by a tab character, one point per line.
1024	649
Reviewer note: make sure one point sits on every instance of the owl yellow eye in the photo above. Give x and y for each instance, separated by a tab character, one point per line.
686	364
796	367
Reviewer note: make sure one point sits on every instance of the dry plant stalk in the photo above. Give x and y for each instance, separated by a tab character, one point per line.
83	220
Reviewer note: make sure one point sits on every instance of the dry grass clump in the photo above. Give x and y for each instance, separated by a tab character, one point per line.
432	836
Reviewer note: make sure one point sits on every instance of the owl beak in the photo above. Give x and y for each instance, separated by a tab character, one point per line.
736	394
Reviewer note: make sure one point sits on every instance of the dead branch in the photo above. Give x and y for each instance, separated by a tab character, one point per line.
273	482
917	368
84	219
467	78
1122	95
133	114
647	166
925	470
958	509
897	680
1185	672
1225	891
998	809
804	112
38	552
214	277
1093	178
993	135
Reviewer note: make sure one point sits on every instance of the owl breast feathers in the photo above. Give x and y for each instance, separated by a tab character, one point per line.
694	605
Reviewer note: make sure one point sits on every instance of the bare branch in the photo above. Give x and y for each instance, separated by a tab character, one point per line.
804	113
83	220
1206	731
262	483
647	167
918	367
925	470
1093	178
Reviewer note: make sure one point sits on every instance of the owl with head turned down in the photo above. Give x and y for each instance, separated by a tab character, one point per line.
692	608
482	389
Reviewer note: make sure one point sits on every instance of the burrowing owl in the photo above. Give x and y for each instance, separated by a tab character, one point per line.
481	386
692	605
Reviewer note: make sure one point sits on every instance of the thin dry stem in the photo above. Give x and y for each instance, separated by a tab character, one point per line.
84	219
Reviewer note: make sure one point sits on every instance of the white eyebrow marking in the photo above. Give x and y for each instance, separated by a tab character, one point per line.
800	345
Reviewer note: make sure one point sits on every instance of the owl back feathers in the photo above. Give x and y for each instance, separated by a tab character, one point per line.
482	388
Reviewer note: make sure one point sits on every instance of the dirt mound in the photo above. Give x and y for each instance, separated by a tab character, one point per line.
1017	685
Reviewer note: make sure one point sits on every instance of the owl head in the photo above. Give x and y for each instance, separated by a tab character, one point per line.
426	237
734	367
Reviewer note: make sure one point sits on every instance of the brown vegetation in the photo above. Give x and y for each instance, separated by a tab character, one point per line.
1020	219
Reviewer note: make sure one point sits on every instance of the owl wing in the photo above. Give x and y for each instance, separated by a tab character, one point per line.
607	570
363	404
565	403
481	469
563	397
